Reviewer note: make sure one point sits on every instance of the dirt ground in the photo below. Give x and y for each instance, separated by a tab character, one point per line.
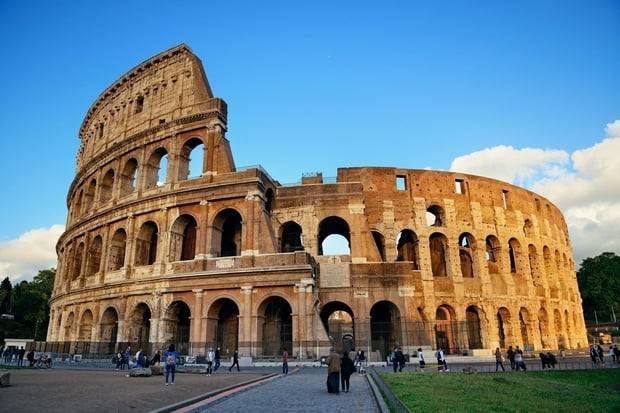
57	390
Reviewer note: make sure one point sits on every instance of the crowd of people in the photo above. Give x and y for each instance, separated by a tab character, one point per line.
15	356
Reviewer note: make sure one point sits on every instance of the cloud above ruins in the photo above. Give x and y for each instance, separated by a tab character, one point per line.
585	184
21	258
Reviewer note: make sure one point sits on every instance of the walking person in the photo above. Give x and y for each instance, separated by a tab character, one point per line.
499	359
217	359
235	361
511	357
441	359
127	356
170	358
593	355
210	359
394	359
362	362
519	363
333	372
20	357
156	359
616	353
421	360
140	358
285	362
400	358
346	370
600	353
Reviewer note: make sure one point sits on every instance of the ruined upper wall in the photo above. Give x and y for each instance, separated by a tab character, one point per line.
166	87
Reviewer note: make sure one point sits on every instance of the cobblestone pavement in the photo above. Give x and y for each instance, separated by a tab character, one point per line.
304	391
78	390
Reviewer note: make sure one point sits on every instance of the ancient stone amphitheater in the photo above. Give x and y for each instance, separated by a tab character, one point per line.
168	241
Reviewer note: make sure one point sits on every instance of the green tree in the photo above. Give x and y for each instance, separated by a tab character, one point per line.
599	284
5	295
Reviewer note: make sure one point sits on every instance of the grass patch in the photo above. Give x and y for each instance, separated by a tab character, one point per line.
536	391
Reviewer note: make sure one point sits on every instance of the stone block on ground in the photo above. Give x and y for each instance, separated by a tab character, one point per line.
5	378
157	370
140	372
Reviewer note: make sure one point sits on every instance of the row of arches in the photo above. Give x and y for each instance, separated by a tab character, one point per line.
153	173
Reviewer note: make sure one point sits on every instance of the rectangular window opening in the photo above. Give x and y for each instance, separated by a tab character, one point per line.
537	202
401	183
139	104
506	199
459	186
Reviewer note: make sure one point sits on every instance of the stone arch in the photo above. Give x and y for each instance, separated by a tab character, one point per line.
129	177
379	243
191	159
559	329
493	254
116	259
183	235
89	195
339	323
333	227
146	244
77	262
156	169
109	328
474	327
275	325
408	248
77	208
385	328
467	247
85	330
227	233
445	329
438	246
107	186
535	270
291	237
95	250
68	333
435	216
177	323
139	328
223	325
524	327
514	252
543	327
550	274
568	328
504	327
528	228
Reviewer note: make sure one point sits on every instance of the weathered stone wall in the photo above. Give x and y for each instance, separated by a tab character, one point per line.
156	256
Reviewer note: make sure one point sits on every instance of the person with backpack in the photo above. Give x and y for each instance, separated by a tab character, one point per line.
170	358
333	371
441	359
210	358
140	359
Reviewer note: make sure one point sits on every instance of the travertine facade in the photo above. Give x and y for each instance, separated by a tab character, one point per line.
230	257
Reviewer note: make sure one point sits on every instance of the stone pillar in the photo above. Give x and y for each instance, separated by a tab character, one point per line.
130	246
196	343
246	337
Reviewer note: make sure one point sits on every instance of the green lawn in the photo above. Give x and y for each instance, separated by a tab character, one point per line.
537	391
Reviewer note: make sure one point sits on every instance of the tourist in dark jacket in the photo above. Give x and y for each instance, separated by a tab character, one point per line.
511	357
235	361
346	369
551	360
218	357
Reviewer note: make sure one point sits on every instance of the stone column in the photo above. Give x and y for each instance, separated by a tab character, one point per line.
130	246
246	344
196	343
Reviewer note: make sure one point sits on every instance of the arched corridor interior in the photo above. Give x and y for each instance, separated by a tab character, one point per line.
337	318
385	331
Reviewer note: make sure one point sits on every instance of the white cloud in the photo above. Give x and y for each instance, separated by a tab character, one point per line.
34	250
584	184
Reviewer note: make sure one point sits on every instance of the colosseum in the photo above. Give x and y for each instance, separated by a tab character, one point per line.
167	241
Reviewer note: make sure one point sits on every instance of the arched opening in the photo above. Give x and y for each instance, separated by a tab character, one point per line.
445	338
543	328
535	270
337	318
107	185
504	327
514	249
269	200
568	329
224	326
68	334
156	169
117	250
191	159
146	244
86	327
94	256
109	330
474	336
140	326
379	244
334	237
559	329
129	177
177	326
77	208
89	195
408	248
435	216
550	274
438	245
277	326
493	254
524	320
227	233
467	244
385	332
77	262
291	237
183	238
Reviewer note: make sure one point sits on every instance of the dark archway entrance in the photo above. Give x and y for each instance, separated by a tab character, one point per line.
337	318
177	326
277	326
224	326
445	329
385	331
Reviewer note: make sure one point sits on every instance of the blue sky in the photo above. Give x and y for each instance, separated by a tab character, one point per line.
312	85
